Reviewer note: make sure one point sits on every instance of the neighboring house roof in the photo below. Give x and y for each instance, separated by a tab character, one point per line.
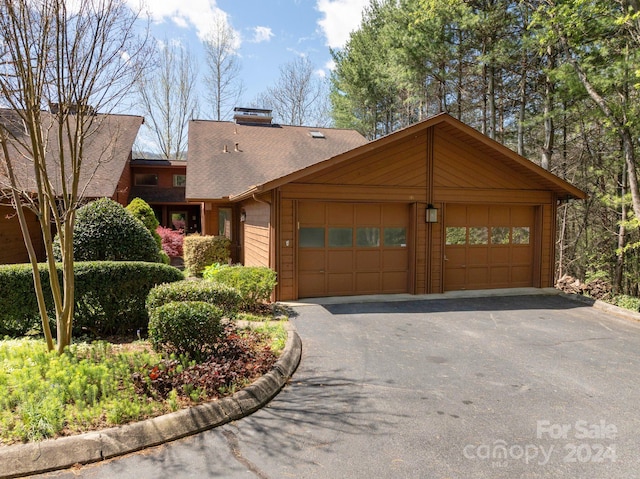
226	158
452	127
106	151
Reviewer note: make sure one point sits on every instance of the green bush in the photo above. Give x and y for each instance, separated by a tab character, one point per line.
189	327
141	210
255	283
110	296
225	297
202	251
105	231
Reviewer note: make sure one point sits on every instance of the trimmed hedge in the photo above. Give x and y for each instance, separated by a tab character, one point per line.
202	251
189	327
141	210
255	283
110	296
225	297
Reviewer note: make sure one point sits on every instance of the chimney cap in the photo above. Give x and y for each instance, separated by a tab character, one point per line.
252	116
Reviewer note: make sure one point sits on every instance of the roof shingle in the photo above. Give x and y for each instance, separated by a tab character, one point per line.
226	158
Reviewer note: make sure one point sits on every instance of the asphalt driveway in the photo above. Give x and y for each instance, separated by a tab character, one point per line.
524	386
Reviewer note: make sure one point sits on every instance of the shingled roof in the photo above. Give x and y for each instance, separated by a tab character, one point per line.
226	158
106	150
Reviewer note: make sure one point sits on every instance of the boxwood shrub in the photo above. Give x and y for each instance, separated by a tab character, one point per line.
228	299
105	231
110	296
201	251
255	283
189	327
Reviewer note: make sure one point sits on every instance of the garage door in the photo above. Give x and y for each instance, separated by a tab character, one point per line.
488	247
351	249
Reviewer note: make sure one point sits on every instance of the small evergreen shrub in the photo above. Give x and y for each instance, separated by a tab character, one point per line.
105	231
110	296
171	241
189	327
202	251
225	297
141	210
255	283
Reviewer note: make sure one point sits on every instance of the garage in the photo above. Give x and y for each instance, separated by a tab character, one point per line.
488	246
352	248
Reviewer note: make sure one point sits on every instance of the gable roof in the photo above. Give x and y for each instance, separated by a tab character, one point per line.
451	126
106	151
225	158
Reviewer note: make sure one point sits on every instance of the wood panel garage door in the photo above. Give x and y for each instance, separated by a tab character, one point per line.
351	249
488	247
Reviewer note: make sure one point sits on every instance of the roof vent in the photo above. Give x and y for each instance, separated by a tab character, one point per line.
317	134
252	116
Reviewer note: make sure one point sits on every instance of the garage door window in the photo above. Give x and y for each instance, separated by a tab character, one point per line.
311	237
520	235
368	237
395	237
500	235
340	237
479	235
456	235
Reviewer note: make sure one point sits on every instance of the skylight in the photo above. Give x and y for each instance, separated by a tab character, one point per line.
316	134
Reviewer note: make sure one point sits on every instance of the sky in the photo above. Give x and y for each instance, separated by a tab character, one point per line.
271	32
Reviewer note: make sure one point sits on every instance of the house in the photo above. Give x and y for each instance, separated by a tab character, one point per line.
105	171
161	183
434	207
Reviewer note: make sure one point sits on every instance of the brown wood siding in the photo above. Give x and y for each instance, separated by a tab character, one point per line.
398	164
457	164
286	266
123	188
548	232
256	233
353	193
13	249
436	254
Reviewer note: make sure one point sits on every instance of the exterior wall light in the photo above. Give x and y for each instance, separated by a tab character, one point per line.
243	216
432	214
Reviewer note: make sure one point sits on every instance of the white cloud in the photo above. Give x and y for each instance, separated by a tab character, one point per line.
340	18
262	34
199	14
320	73
330	65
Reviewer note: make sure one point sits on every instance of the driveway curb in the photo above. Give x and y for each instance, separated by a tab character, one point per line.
26	459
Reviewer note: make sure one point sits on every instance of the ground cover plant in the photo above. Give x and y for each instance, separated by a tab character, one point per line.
101	384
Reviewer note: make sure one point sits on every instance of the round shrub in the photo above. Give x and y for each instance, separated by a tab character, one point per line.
141	210
225	297
189	327
105	231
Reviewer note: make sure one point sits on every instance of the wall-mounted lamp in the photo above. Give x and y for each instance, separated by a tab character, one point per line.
432	214
243	216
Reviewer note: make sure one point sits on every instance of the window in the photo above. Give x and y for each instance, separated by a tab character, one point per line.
456	235
145	179
368	237
311	237
180	180
224	222
500	235
179	220
340	237
395	237
520	235
478	235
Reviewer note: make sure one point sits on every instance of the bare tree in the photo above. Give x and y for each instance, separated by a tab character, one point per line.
168	97
299	96
223	68
79	58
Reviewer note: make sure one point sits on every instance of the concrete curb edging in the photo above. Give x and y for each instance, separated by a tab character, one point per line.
34	458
